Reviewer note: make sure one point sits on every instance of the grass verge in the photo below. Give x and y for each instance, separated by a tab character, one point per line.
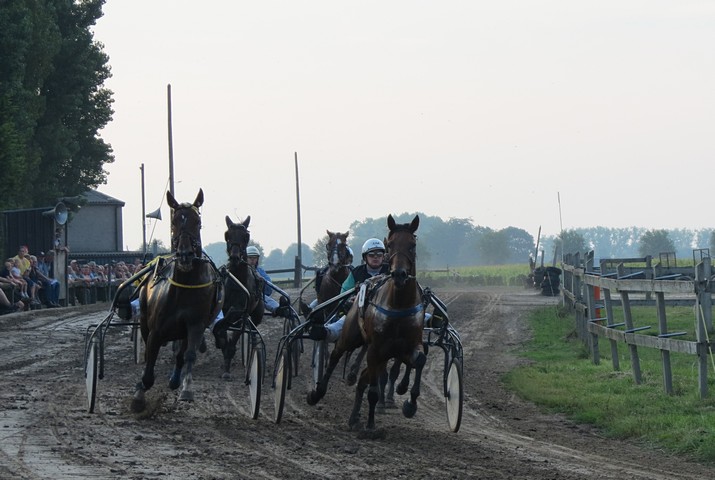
563	379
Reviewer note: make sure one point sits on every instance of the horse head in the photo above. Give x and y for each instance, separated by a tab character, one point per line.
401	247
337	249
186	230
237	237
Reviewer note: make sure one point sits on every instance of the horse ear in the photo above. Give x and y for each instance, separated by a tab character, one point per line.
228	221
247	221
415	223
199	198
330	234
171	201
390	222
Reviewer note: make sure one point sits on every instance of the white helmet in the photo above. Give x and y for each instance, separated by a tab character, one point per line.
252	251
371	245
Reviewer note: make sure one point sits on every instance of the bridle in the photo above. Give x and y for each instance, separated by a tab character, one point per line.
180	231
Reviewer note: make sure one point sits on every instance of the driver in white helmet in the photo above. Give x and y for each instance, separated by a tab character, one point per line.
373	256
254	257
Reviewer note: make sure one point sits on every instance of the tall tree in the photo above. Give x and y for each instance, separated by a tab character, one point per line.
654	242
571	241
52	101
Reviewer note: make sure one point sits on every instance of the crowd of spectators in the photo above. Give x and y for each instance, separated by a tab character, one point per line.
28	281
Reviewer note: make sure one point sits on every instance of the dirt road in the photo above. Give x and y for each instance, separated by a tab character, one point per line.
46	432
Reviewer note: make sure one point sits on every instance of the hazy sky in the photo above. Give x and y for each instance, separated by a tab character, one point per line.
459	109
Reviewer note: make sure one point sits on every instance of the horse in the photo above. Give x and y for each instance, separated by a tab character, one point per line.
329	280
338	267
388	317
178	300
240	303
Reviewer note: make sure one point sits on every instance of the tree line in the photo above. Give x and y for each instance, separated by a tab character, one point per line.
457	242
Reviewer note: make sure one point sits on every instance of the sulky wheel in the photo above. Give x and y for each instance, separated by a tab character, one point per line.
138	344
255	380
281	384
91	373
245	345
454	395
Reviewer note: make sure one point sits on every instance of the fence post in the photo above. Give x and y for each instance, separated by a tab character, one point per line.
628	319
611	321
665	354
298	275
702	277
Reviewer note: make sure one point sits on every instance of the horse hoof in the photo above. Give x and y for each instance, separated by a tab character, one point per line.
401	390
409	409
312	398
174	384
226	376
186	396
354	424
351	379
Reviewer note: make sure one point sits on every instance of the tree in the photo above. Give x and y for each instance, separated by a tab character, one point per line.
654	242
570	241
520	244
493	247
52	101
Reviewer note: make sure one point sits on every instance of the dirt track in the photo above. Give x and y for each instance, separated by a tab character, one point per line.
47	433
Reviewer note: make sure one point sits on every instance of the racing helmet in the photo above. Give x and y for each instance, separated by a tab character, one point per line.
252	251
371	245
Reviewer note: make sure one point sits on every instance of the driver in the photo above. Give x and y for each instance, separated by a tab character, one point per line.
373	255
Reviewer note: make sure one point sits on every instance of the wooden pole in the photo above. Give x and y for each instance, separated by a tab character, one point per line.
171	141
143	214
298	279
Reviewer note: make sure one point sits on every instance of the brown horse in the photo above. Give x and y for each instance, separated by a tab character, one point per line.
388	316
240	303
178	300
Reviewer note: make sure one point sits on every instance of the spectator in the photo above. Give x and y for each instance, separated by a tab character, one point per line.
12	273
50	286
22	262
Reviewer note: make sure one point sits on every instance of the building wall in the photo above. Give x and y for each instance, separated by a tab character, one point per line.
96	228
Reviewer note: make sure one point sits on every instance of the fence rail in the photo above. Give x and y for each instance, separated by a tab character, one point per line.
658	286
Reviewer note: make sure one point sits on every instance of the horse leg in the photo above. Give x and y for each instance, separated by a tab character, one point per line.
355	367
178	347
392	379
321	388
405	382
359	392
193	340
152	352
229	351
382	383
409	408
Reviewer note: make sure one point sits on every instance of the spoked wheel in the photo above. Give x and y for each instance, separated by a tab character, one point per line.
255	381
281	384
245	346
454	394
91	373
318	361
293	349
138	344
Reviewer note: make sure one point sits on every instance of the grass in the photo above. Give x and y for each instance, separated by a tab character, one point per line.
563	379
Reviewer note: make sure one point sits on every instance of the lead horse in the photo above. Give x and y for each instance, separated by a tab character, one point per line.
388	316
178	300
244	288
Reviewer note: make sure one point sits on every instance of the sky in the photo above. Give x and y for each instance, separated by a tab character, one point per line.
537	115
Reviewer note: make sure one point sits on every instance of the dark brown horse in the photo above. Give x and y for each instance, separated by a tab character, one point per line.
388	316
178	300
240	303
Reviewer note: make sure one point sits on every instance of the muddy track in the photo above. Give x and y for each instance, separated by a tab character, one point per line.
47	433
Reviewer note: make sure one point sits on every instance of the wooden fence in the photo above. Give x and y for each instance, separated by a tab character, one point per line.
631	281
